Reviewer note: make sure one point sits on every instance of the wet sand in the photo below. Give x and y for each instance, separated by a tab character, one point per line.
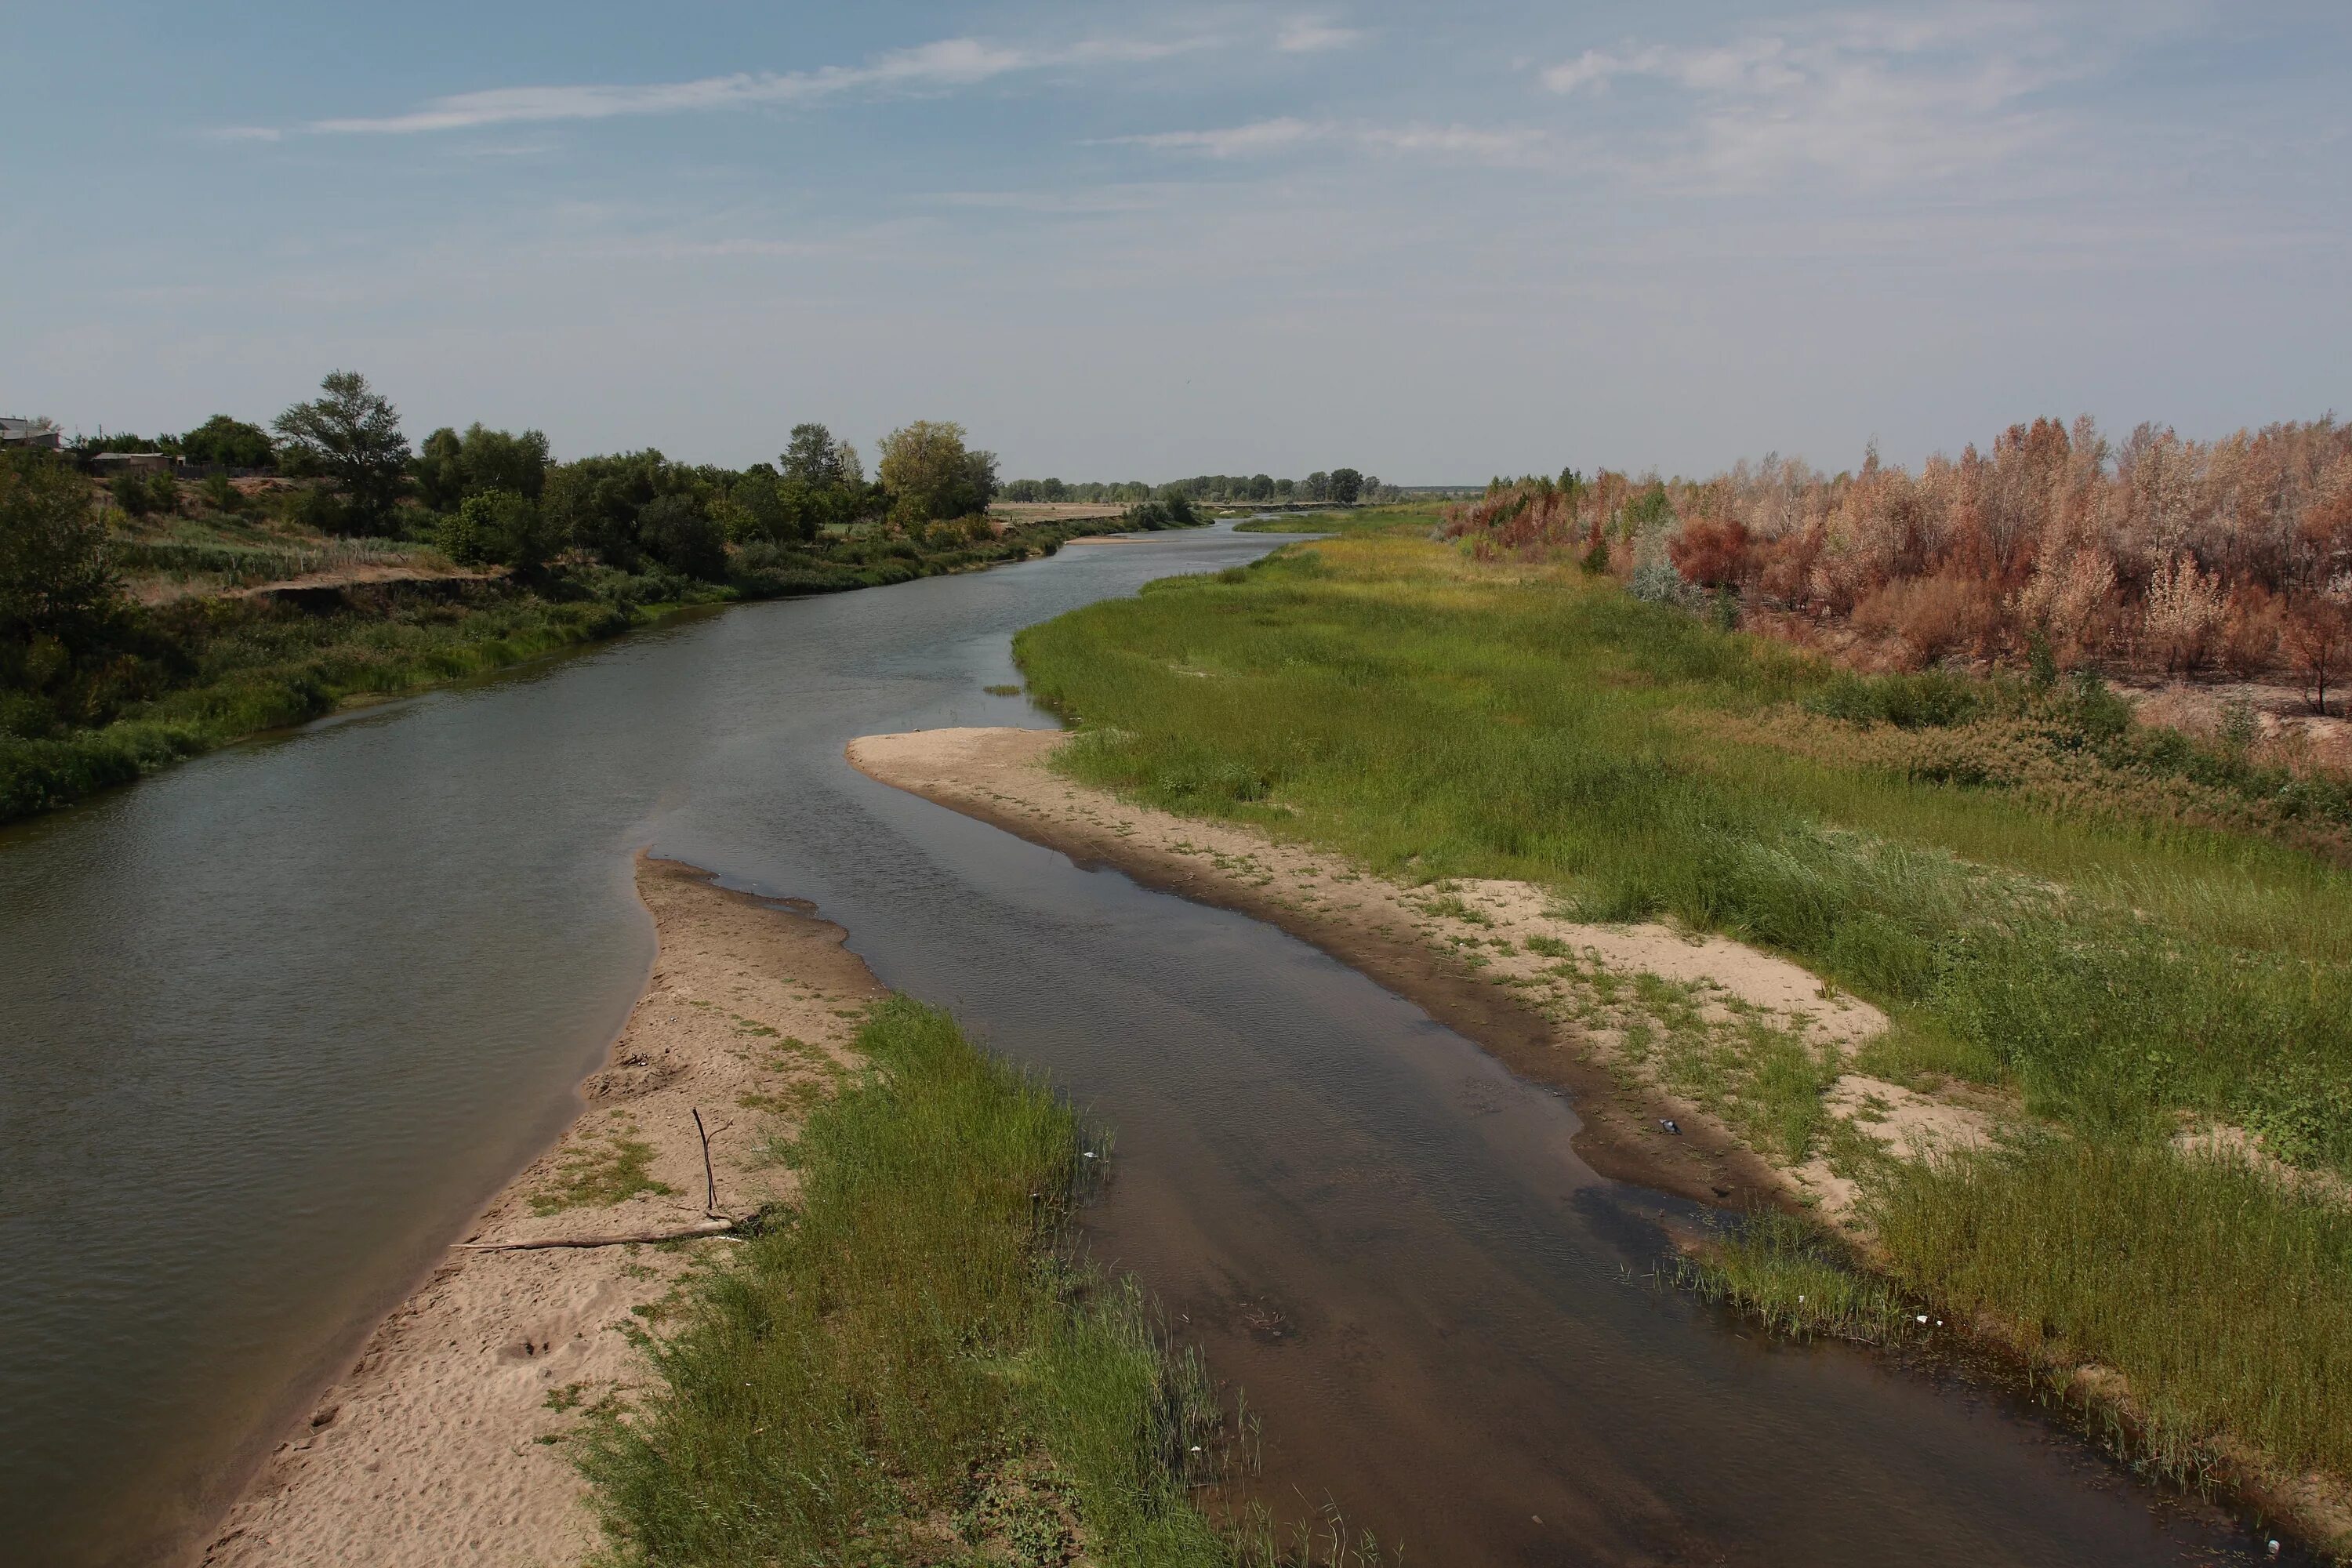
440	1445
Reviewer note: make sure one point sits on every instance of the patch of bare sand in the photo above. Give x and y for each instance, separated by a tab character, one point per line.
1556	999
435	1449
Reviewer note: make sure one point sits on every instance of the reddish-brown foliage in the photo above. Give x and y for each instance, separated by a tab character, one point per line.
1712	554
2318	637
2153	548
2250	632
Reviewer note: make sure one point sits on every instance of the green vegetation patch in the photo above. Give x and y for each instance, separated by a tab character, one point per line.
2224	1297
904	1373
600	1172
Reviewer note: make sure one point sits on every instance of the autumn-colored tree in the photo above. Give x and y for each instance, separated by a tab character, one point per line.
2318	635
1713	554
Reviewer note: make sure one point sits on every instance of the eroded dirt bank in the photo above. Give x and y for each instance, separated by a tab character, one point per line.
436	1447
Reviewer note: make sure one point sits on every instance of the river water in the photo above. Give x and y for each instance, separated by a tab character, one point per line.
274	1024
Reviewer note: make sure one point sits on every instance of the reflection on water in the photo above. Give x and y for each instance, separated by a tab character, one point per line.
278	1020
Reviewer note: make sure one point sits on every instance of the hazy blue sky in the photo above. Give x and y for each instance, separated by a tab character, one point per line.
1433	242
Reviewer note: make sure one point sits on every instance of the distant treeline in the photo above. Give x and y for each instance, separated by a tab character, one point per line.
1343	487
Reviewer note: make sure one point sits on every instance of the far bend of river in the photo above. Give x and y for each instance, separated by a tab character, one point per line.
274	1024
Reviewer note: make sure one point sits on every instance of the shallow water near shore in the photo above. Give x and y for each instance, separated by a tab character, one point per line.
278	1020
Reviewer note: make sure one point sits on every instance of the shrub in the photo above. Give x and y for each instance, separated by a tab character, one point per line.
1932	617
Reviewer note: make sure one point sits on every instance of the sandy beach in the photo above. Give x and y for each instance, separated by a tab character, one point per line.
442	1444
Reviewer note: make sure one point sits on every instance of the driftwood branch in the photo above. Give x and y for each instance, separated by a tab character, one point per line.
710	1180
715	1226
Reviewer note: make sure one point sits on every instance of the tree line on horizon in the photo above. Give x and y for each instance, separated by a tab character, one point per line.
1341	487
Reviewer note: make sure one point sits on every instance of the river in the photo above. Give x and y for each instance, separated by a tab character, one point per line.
278	1020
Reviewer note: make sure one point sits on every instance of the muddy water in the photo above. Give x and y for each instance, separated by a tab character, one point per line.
274	1022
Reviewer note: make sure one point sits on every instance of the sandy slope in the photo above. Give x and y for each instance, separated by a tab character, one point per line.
432	1451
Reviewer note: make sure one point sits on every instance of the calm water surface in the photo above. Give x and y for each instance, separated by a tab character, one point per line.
273	1024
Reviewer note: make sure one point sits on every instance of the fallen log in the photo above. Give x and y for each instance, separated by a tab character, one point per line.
707	1228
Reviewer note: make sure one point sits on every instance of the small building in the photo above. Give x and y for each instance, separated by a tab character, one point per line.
28	435
106	465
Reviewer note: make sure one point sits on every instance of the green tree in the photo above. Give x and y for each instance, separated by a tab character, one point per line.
595	503
1347	485
351	433
929	474
815	458
451	467
55	578
227	442
678	531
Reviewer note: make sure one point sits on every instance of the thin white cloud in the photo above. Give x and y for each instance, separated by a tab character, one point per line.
1508	145
1309	36
949	62
1877	97
1511	144
1233	141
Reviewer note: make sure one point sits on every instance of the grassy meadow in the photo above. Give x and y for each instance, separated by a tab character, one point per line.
2121	968
908	1370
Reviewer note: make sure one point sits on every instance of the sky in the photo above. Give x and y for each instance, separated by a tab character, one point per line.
1433	243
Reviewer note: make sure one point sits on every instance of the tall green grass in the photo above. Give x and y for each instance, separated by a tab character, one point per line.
905	1373
1434	718
2224	1299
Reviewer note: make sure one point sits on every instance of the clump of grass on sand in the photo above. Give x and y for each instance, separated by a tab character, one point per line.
2118	971
1797	1281
905	1372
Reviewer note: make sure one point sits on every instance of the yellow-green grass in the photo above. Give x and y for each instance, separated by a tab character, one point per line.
904	1371
1437	717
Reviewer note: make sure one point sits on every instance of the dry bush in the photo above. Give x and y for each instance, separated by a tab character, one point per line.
1713	554
2155	542
2181	614
2251	627
1932	617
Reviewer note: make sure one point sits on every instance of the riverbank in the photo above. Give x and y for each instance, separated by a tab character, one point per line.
208	670
1698	1066
447	1441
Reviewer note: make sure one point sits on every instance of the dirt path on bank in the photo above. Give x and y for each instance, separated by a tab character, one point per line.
439	1446
1551	995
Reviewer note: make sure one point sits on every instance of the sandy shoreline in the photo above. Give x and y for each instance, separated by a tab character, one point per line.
1446	953
435	1448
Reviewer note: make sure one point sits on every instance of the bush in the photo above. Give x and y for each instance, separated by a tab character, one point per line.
55	577
496	527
